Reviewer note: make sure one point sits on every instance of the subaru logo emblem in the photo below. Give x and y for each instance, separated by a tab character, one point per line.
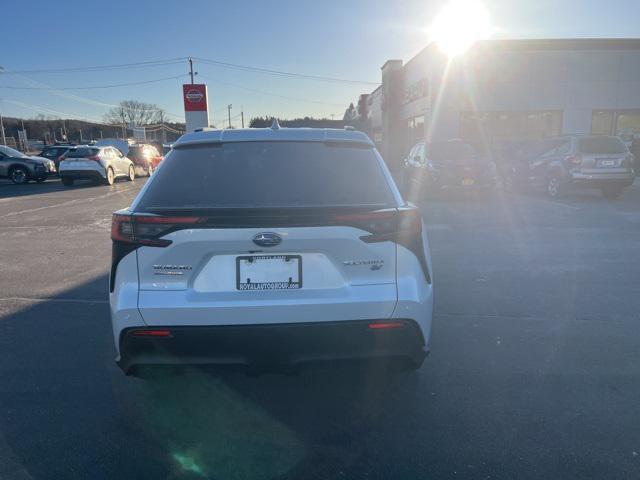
267	239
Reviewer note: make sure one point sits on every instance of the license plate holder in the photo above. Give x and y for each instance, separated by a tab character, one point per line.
268	272
607	163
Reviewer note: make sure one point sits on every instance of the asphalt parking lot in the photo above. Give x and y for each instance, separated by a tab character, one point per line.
534	371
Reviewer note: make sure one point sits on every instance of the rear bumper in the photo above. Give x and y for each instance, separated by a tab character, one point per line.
83	174
602	179
272	347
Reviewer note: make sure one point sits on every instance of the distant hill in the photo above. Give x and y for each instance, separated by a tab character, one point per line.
52	130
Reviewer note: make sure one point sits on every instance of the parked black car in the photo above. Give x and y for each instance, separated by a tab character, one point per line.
55	153
561	164
454	164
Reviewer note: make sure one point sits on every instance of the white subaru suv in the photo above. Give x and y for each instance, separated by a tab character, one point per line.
268	249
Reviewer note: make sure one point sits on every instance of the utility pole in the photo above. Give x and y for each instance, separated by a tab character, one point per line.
242	117
124	126
4	140
80	130
191	72
229	113
100	134
164	134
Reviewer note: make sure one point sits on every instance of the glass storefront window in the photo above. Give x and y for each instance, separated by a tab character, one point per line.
510	125
601	122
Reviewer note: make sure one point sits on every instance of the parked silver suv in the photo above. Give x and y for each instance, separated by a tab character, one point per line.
21	168
575	161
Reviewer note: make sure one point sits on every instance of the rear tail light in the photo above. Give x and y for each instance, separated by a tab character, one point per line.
402	226
385	224
575	159
385	325
62	157
95	158
151	333
147	230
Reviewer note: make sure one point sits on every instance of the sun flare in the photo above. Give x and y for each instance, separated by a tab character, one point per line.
459	24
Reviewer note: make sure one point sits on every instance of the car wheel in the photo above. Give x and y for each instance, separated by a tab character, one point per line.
132	173
67	182
612	192
110	176
149	170
19	175
554	187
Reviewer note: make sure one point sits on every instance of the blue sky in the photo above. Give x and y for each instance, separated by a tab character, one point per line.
345	39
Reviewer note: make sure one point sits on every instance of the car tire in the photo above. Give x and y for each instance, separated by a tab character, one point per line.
67	182
132	174
554	186
611	192
149	170
111	177
19	175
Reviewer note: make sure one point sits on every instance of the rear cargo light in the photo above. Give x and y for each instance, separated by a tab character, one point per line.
151	333
385	325
146	230
575	159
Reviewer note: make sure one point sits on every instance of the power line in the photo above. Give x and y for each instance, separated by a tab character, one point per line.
150	63
262	92
268	71
13	87
56	113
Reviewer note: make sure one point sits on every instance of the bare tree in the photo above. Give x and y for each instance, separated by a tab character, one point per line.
135	112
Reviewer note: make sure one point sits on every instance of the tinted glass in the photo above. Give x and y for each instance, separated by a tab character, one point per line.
268	174
83	152
602	145
10	152
450	151
135	152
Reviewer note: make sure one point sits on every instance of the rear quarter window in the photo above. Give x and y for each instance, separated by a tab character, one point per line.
268	174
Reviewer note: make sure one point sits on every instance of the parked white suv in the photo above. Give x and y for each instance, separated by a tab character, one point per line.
100	164
270	248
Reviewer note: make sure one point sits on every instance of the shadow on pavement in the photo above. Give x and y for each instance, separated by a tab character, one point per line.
68	412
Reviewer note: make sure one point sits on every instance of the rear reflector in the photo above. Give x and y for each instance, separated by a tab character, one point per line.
151	333
385	325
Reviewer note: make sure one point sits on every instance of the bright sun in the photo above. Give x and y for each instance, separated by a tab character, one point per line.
459	25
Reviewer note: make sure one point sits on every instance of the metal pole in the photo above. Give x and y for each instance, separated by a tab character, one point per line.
242	118
191	69
80	135
229	113
164	133
4	139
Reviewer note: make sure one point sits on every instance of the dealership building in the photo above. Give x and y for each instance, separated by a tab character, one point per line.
507	90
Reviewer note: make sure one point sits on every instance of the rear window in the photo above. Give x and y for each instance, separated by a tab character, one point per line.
83	152
450	151
268	174
601	145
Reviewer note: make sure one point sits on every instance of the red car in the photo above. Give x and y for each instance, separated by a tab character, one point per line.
145	157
